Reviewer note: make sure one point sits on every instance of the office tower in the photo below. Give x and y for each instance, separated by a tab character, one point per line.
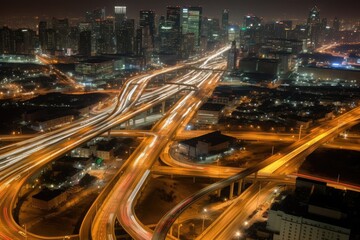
62	30
314	27
252	22
187	45
104	40
225	19
24	41
225	23
232	57
96	18
6	41
336	24
211	29
51	40
95	15
74	36
138	48
169	38
191	19
251	33
125	37
42	34
120	16
85	43
173	14
147	22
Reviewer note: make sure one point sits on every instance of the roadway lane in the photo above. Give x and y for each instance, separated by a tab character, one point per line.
28	161
279	164
142	160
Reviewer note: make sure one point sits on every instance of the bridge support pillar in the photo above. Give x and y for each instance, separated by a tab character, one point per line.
163	108
219	192
240	185
256	176
231	191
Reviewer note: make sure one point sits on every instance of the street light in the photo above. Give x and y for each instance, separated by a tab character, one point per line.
301	126
178	232
238	234
24	225
203	222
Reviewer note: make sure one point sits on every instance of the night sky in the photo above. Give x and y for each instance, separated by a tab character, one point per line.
269	9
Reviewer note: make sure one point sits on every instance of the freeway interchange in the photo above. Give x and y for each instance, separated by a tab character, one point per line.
20	160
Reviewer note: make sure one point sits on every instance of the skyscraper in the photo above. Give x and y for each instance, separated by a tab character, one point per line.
314	27
85	43
62	30
147	21
191	19
225	23
125	37
232	57
42	35
170	31
120	16
173	14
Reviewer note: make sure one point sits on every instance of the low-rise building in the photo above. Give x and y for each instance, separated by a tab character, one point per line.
47	124
206	145
209	113
313	212
48	199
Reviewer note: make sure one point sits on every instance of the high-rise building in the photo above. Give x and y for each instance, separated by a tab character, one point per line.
232	57
251	34
42	34
85	43
191	20
170	31
225	23
125	37
173	14
96	19
62	30
6	41
211	29
138	48
104	40
314	27
95	15
336	24
24	41
147	21
120	16
170	40
51	40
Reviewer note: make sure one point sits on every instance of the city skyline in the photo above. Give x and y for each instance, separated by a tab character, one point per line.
276	9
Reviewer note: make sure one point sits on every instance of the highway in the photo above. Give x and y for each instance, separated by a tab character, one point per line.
120	202
30	155
282	163
19	160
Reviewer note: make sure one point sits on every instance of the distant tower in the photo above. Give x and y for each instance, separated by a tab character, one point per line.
225	23
191	20
232	57
314	27
336	24
42	35
85	43
147	23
